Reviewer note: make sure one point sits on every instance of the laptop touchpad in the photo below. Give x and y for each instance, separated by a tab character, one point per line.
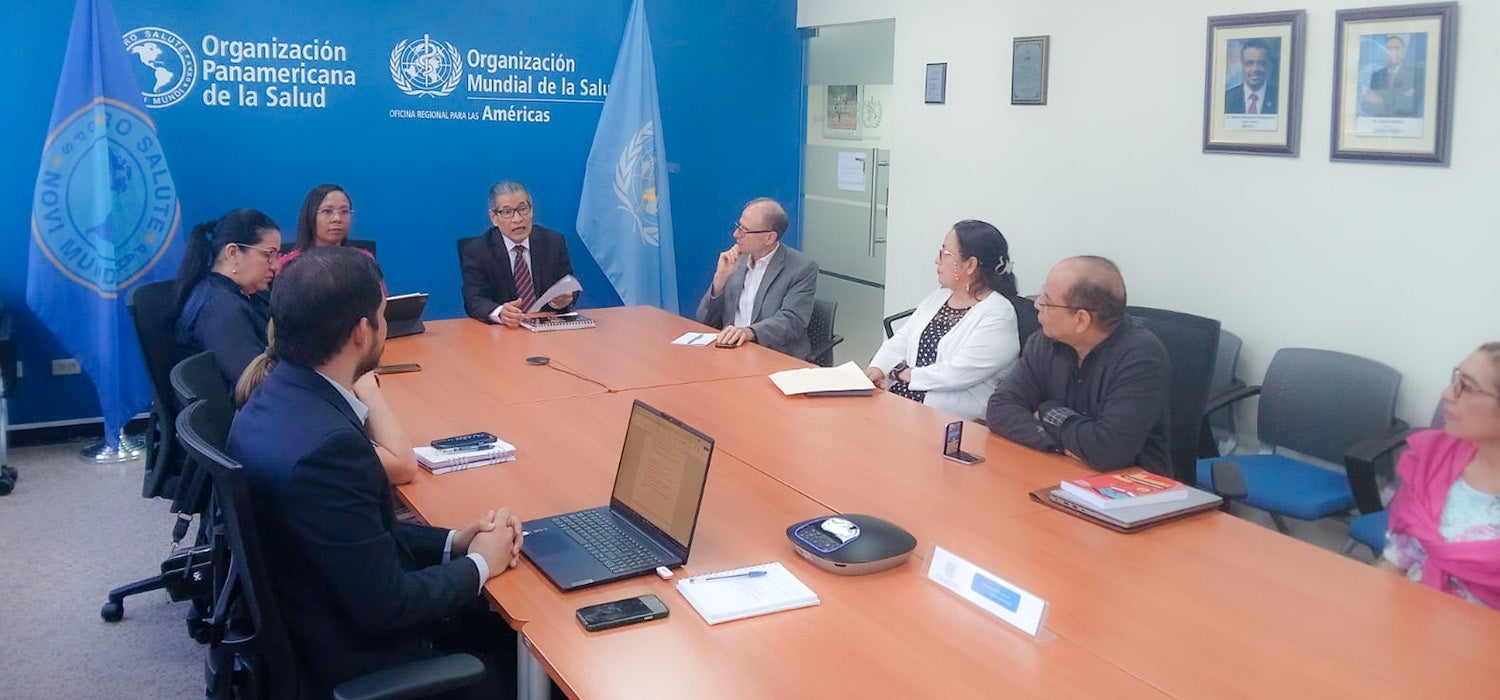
546	542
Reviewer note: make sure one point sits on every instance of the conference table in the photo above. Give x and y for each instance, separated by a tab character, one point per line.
1210	606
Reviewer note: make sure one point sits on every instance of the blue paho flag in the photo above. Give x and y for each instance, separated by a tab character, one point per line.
105	216
625	214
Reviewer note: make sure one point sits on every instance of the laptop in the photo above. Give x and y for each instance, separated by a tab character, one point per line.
403	315
651	515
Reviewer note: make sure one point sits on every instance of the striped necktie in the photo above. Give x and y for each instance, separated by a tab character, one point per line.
525	288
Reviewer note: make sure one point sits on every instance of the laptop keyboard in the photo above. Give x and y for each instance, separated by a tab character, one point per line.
614	547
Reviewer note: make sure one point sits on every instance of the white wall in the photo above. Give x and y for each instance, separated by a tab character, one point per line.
1400	264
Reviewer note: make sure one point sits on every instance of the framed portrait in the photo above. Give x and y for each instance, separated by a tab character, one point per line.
1028	70
841	112
1393	83
1252	92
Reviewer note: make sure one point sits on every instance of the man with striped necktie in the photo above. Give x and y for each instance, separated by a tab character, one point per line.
506	267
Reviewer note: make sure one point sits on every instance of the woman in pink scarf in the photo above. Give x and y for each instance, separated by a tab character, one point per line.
1445	519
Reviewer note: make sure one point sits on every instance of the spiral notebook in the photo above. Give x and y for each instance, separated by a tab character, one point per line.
733	594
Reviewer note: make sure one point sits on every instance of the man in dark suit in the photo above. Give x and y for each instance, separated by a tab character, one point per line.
1395	90
1256	93
359	590
513	249
762	291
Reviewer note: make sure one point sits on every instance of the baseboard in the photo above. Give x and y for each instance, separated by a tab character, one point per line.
68	431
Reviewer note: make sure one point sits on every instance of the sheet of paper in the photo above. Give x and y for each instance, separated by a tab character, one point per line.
695	339
845	377
851	174
567	285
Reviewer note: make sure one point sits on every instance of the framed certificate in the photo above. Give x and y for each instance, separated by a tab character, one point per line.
1028	70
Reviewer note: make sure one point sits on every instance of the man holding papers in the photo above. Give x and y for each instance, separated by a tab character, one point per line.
762	291
1091	384
359	590
506	267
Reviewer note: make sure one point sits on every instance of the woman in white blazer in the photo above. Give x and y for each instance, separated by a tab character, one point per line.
953	350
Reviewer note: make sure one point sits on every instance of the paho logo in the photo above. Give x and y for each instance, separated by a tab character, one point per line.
426	67
165	62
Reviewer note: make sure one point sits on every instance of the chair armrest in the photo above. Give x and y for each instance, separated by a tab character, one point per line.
418	679
1236	394
825	347
890	321
1359	464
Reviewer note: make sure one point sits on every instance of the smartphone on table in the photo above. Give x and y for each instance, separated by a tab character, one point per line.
619	613
953	436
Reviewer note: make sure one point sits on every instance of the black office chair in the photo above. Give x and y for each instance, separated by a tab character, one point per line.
820	332
153	311
1026	319
1368	464
250	654
1191	342
1217	434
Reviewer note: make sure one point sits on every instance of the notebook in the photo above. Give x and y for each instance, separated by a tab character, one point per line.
440	462
560	322
403	315
731	595
651	515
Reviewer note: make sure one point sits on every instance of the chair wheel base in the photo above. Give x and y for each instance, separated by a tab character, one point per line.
112	611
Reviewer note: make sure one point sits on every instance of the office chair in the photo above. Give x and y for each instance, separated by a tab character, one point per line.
890	321
1026	319
1217	435
153	311
1366	464
1192	342
250	653
820	332
1318	403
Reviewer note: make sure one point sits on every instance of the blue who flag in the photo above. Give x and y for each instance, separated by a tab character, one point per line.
104	217
625	213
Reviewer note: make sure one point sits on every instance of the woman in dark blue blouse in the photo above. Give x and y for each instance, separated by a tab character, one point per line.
221	288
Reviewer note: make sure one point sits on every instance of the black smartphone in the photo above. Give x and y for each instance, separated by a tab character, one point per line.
460	442
953	436
622	612
397	369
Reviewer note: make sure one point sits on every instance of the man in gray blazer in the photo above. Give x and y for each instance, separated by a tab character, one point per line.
762	291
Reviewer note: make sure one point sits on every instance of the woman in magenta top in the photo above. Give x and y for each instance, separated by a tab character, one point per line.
326	217
1445	518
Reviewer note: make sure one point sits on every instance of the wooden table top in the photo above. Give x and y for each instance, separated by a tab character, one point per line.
1207	607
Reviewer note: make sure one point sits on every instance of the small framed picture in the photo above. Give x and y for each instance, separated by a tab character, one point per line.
936	91
841	112
1252	92
1028	70
1393	83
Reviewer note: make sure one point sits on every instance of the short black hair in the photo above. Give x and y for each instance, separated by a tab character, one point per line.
1100	290
317	303
1261	44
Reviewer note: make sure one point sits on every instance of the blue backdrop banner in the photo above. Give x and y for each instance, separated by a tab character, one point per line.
625	212
104	215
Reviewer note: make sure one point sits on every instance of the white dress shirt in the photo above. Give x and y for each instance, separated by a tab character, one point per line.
510	259
744	314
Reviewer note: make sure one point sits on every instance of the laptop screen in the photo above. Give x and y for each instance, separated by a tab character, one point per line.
663	468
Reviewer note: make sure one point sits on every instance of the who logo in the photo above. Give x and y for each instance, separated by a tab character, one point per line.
426	67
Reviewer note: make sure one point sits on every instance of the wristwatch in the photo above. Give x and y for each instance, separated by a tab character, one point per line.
896	371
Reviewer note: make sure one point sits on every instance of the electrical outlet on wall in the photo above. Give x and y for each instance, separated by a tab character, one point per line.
66	365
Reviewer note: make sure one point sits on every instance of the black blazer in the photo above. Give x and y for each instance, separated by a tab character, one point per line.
1234	100
488	282
360	591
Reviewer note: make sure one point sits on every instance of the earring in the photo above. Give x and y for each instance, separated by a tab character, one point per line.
234	270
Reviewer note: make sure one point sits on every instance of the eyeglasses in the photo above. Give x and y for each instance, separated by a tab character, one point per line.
740	229
1463	385
945	252
328	212
1050	305
511	212
268	252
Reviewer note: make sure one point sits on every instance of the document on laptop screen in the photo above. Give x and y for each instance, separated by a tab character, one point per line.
662	469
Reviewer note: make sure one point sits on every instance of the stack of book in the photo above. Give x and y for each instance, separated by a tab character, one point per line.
1128	500
444	461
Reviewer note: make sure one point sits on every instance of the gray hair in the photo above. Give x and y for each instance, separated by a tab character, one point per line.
774	214
505	187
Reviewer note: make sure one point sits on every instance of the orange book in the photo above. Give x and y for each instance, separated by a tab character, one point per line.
1127	487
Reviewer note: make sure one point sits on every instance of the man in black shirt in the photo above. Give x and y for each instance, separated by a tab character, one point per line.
1092	384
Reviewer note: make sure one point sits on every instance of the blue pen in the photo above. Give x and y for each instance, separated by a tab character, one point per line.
744	574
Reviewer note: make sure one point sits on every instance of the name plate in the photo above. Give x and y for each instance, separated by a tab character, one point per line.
992	594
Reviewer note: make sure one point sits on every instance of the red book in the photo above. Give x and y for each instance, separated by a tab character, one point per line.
1127	487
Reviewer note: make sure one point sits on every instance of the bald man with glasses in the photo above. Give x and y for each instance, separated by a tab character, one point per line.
1092	384
762	291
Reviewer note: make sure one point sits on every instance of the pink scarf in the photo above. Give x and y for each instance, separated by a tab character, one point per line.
1428	468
